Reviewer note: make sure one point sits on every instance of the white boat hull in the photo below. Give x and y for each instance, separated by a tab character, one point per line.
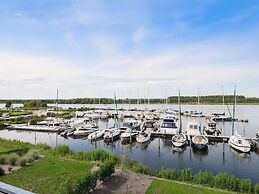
240	148
143	139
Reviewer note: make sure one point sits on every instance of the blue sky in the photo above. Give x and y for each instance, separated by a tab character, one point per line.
134	48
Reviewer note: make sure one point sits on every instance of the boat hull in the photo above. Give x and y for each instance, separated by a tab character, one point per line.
245	149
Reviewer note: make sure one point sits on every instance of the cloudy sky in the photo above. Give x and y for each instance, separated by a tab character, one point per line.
131	47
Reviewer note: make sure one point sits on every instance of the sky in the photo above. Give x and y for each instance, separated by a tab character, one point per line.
148	48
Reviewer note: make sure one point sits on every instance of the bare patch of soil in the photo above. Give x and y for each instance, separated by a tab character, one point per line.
124	182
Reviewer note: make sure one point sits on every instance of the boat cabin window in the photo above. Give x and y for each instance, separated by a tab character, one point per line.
168	125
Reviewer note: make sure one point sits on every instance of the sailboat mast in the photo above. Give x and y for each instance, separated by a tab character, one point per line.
234	111
57	101
199	109
180	117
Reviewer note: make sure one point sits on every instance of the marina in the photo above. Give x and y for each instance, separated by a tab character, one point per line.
159	151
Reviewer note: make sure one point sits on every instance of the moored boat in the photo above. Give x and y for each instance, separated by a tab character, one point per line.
200	142
129	134
96	135
179	140
143	137
239	143
111	135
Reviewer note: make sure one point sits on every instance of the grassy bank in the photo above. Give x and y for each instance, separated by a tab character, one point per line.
165	187
59	170
51	174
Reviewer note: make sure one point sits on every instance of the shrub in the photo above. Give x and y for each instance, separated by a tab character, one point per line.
256	189
43	146
1	171
12	159
35	156
3	159
62	150
105	170
30	159
23	162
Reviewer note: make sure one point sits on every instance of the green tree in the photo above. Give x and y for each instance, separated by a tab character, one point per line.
8	104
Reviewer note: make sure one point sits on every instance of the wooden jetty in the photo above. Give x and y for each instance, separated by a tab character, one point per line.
38	128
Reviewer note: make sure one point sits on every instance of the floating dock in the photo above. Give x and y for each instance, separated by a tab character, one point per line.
38	128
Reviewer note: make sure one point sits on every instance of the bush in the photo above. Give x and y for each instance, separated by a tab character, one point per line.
62	150
105	170
12	159
203	178
23	162
3	159
30	159
35	156
86	184
43	146
256	189
1	171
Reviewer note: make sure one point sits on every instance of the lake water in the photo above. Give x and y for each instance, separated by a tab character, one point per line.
160	153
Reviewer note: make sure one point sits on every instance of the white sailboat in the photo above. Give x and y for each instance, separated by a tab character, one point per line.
236	141
239	143
180	139
200	141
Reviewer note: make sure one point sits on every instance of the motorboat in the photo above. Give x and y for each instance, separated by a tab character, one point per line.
104	115
200	142
111	135
168	125
149	125
67	132
239	143
220	117
193	128
133	124
96	135
179	140
84	129
129	134
211	127
143	137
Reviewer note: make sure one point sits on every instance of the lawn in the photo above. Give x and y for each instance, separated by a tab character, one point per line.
51	174
167	187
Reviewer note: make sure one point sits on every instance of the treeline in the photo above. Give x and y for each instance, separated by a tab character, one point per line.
212	99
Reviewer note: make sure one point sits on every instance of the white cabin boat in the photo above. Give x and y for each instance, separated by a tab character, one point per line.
129	134
132	124
193	128
143	137
96	135
168	126
239	143
211	127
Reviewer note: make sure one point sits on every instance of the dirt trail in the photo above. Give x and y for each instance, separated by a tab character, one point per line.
124	182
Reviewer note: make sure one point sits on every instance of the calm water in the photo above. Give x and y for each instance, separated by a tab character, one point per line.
160	153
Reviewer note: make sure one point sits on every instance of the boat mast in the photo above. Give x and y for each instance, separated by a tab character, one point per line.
180	117
234	111
116	109
199	109
57	101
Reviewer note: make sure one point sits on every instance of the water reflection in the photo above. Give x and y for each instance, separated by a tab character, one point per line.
159	152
